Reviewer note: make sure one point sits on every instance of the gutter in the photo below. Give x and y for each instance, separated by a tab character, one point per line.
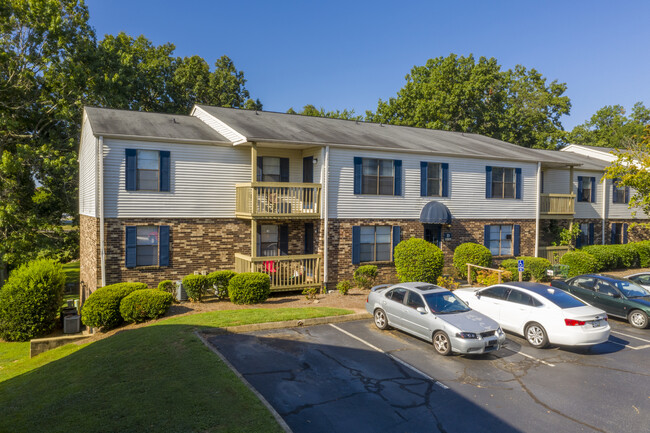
100	183
537	207
165	139
325	207
602	241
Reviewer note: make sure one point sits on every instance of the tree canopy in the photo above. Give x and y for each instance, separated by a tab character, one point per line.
610	127
461	94
310	110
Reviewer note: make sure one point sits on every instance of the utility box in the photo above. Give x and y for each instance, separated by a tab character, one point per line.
72	324
181	294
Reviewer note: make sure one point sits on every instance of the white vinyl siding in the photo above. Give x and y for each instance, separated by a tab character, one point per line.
556	181
202	181
218	125
466	189
87	171
586	209
295	161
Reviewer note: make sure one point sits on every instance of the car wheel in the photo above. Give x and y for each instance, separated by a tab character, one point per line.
536	335
380	319
638	319
441	343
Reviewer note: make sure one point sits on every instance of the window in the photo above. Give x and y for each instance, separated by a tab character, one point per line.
414	301
272	240
503	182
585	283
272	169
619	233
375	243
501	240
606	289
586	235
434	179
620	194
147	170
398	294
586	189
146	246
519	297
378	177
498	292
641	279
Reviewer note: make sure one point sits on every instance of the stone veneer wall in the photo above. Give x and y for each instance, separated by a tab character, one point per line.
340	242
89	265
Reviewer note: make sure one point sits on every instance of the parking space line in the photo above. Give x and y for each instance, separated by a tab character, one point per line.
531	357
630	336
404	363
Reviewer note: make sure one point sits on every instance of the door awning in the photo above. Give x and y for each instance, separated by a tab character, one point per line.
435	212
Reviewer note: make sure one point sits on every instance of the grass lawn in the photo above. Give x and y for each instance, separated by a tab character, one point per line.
155	378
71	271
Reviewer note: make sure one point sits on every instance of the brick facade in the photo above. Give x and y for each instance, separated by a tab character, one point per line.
89	265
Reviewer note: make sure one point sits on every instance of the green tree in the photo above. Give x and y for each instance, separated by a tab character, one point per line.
610	127
461	94
632	169
310	110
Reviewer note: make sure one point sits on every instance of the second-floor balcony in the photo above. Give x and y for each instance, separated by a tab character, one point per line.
277	200
557	205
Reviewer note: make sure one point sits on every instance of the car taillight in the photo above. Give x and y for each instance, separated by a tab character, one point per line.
367	297
571	322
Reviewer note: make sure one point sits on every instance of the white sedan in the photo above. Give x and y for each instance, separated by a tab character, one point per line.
540	313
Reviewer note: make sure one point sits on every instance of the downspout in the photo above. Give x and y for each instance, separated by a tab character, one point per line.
102	252
602	241
325	182
537	206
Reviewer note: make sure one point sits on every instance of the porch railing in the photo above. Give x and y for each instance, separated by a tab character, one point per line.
273	199
286	272
553	254
557	204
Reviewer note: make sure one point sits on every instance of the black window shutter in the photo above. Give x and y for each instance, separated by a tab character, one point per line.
283	241
397	237
445	179
398	177
163	245
424	169
486	236
358	171
613	233
284	169
260	169
516	240
164	170
518	183
131	246
309	238
131	169
488	182
591	233
356	245
579	188
624	233
308	169
593	190
627	194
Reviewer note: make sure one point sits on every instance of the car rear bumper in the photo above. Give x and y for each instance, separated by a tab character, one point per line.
582	336
476	346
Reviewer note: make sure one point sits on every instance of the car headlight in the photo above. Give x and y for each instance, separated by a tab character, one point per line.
466	335
499	331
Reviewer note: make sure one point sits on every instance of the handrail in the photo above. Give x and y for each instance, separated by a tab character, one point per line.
469	272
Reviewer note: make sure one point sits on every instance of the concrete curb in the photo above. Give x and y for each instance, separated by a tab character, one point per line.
40	345
285	324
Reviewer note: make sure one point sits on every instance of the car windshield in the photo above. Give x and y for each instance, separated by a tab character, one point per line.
630	289
445	303
560	298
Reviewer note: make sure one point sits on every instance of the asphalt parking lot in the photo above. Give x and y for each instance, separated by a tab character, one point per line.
351	377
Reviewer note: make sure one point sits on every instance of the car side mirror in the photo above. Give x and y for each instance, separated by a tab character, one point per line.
421	310
615	295
560	284
478	295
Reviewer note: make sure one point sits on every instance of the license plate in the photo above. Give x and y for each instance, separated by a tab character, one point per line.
595	323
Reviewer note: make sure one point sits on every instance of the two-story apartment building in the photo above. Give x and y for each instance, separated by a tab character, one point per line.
308	199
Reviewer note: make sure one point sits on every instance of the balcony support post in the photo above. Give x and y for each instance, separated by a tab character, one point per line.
253	237
253	162
537	207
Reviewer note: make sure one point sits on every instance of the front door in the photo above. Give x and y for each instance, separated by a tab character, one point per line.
433	234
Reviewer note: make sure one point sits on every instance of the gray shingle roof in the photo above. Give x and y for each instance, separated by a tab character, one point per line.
265	126
570	158
109	122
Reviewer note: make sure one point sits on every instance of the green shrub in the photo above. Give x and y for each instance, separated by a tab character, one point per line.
605	258
475	254
447	283
196	286
30	300
487	278
643	250
627	256
343	287
418	260
365	276
512	266
249	288
219	281
102	308
169	287
579	262
146	304
534	267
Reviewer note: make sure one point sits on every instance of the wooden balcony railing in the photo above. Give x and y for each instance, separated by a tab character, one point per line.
557	205
553	254
277	199
286	272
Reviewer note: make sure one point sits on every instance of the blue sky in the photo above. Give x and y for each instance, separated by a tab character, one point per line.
349	54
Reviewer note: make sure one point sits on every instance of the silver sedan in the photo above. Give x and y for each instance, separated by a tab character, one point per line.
434	314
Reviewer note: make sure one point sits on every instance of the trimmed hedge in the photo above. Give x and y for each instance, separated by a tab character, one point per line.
418	260
643	251
219	281
249	288
534	267
102	308
30	300
343	287
365	276
579	262
146	304
475	254
196	286
169	287
610	257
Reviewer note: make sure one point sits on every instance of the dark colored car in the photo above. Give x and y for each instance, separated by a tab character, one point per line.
619	297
